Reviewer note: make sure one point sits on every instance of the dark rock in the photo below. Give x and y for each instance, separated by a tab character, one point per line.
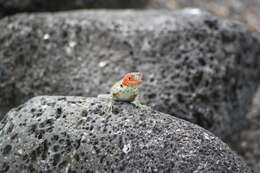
15	6
249	143
197	67
249	147
76	134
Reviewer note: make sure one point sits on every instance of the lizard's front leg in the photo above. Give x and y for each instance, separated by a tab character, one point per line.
138	104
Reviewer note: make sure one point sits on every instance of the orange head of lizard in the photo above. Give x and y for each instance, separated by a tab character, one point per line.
133	79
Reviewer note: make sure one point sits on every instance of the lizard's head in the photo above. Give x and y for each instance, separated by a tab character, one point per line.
132	79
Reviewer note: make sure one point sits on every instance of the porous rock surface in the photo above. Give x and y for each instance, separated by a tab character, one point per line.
196	66
76	134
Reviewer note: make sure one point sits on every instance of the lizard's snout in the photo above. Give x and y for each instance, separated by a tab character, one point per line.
140	77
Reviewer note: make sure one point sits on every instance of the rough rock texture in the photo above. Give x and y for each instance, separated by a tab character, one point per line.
76	134
16	6
195	64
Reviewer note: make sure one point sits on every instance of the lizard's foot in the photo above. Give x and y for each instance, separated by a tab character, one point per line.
138	104
109	109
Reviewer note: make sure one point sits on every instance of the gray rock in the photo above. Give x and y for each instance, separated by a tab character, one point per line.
245	11
76	134
249	147
197	67
16	6
249	143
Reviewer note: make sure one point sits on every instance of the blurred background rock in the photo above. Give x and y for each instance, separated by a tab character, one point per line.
249	147
246	11
15	6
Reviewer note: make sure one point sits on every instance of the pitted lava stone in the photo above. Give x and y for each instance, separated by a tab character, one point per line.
196	66
76	134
